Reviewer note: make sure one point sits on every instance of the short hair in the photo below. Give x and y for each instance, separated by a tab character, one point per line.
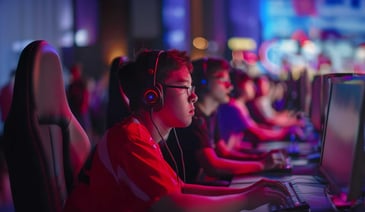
204	70
137	76
238	77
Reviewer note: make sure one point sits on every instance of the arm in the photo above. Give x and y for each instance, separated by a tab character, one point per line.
272	117
191	203
230	151
217	166
262	133
259	193
210	190
265	134
283	120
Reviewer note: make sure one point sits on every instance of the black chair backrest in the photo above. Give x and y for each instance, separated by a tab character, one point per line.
45	147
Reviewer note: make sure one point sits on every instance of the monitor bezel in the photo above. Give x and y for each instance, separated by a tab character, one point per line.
355	188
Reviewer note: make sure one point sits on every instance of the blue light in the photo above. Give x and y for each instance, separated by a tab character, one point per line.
176	37
175	22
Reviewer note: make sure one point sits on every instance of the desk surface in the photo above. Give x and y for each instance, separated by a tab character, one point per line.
305	178
303	148
307	187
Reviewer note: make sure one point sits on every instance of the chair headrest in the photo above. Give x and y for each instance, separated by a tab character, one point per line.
45	146
42	83
49	92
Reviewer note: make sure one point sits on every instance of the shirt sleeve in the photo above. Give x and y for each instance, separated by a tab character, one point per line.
230	121
139	164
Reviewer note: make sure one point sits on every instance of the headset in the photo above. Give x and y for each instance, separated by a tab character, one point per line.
153	96
153	99
200	78
203	80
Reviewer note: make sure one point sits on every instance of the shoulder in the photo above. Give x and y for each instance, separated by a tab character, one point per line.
129	131
228	110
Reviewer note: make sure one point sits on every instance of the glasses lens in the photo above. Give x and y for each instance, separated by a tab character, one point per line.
192	90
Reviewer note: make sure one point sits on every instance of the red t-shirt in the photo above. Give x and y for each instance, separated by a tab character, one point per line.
128	172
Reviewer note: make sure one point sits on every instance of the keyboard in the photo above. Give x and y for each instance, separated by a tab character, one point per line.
287	166
293	202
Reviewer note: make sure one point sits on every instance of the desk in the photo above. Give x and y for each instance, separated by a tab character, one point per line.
307	187
304	177
303	148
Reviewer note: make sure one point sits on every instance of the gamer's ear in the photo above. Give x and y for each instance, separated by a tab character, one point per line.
153	97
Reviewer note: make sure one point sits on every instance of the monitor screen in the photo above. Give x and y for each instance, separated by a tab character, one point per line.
342	150
319	97
326	84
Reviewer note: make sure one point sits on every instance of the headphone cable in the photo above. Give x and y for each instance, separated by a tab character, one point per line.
181	154
167	148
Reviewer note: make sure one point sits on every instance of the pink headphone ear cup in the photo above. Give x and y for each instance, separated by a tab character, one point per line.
153	97
150	96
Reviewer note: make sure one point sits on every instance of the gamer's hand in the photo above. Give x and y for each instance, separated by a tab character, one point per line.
274	152
296	131
275	160
266	191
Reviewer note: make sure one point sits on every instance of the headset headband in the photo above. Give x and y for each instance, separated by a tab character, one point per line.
155	68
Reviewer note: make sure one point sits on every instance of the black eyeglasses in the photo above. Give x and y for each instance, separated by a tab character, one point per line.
189	89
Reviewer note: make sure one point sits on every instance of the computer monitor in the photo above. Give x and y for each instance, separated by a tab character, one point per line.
319	97
343	139
326	85
316	100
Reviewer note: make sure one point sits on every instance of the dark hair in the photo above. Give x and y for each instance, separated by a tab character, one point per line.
204	70
137	76
238	77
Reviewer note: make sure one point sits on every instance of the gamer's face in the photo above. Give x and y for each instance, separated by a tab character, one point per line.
220	86
249	89
264	86
178	108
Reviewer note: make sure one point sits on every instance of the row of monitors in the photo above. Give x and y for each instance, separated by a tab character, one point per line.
340	117
320	96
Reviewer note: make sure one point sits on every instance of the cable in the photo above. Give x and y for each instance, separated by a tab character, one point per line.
181	154
167	147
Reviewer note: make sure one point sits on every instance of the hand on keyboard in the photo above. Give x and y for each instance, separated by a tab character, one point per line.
293	202
266	191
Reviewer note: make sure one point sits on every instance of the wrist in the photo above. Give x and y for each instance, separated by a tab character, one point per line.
261	165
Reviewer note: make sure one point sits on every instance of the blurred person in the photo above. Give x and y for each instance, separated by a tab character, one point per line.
278	97
6	200
6	95
235	122
128	171
98	106
262	110
289	76
205	161
78	97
